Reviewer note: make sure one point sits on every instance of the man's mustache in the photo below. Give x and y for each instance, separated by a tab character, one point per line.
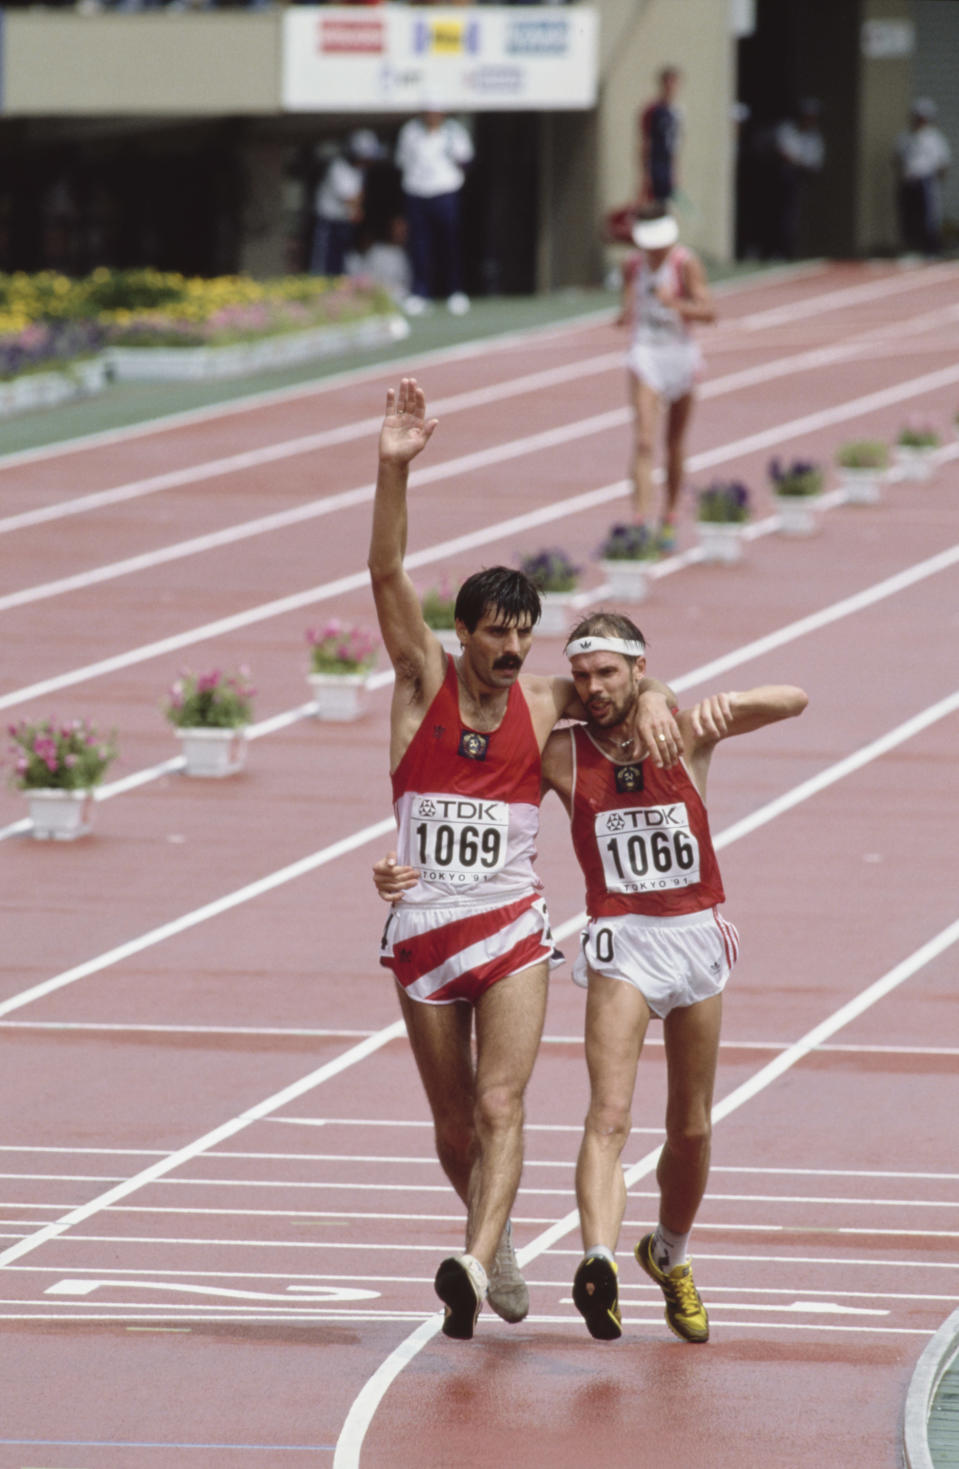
508	661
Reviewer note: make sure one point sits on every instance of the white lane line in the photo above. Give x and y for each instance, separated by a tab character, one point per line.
149	773
210	1139
296	1032
364	1406
387	1316
803	792
732	382
444	550
477	347
382	829
816	621
840	298
245	894
290	1032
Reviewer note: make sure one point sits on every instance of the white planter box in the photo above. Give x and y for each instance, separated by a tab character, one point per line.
914	462
151	364
625	580
212	752
720	541
558	614
60	816
798	514
44	389
339	696
861	486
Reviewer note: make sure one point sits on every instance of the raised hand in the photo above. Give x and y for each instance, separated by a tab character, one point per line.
406	429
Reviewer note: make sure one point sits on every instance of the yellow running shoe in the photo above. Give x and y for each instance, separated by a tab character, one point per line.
596	1297
685	1313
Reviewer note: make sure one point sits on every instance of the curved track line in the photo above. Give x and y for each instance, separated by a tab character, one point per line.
364	1406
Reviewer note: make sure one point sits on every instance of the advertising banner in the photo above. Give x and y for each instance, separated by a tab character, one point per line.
398	58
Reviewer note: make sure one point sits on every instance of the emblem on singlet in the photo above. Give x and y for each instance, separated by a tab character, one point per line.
472	745
629	777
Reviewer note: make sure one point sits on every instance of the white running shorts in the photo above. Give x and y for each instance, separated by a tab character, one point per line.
671	368
673	962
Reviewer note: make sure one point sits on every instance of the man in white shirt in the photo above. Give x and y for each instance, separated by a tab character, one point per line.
800	153
338	203
923	155
432	152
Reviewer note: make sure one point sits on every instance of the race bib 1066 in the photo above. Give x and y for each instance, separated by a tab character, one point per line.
458	839
647	849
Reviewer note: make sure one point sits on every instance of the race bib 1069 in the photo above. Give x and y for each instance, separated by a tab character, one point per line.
647	849
458	839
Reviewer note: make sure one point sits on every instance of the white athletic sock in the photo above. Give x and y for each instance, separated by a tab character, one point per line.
600	1250
668	1249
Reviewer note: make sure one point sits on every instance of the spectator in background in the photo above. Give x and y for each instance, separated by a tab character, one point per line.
922	156
799	153
660	126
338	203
432	152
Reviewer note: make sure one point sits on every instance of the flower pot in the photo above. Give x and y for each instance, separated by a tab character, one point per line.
798	514
720	541
212	752
59	816
339	696
557	614
625	580
916	462
861	486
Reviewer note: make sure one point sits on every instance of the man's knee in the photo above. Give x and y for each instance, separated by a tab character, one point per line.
498	1108
609	1123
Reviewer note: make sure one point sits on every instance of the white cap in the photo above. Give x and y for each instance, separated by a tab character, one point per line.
924	107
656	234
363	143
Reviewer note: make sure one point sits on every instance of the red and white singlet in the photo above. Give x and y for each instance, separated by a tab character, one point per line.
467	804
641	835
662	352
652	321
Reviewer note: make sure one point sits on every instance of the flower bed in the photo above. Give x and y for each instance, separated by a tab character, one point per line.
154	324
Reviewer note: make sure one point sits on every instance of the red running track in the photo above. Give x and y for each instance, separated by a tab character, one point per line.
221	1212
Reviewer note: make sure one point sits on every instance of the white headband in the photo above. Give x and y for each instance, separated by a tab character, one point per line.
606	645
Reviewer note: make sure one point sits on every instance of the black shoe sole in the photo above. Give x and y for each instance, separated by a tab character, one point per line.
596	1298
455	1290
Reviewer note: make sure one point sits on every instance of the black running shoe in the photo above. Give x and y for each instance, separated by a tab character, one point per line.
596	1297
